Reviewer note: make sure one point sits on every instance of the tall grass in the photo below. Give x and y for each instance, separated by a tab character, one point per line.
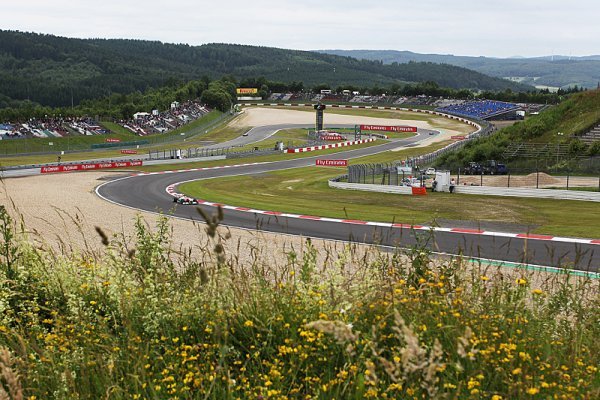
144	320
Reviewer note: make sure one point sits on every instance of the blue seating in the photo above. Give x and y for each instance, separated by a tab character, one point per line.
479	109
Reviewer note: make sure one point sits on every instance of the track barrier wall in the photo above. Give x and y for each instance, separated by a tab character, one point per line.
89	166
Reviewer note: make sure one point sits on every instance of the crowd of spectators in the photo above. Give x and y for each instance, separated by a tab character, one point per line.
479	109
287	97
179	114
142	124
50	127
360	98
405	101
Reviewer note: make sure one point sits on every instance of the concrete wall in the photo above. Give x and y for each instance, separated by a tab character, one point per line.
371	188
532	193
480	190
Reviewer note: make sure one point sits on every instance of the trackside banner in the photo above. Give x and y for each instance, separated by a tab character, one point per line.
457	137
332	163
332	137
86	167
246	90
384	128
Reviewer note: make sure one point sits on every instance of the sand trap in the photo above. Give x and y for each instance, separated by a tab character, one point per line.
259	116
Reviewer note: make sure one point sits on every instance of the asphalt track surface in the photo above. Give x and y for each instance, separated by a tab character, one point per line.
148	193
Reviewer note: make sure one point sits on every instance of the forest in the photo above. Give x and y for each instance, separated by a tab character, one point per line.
56	71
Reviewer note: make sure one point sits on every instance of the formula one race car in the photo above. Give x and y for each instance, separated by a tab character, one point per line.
185	200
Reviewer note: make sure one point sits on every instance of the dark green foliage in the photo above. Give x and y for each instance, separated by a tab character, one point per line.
62	72
576	147
594	149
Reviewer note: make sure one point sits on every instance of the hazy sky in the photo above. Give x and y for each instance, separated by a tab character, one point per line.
500	28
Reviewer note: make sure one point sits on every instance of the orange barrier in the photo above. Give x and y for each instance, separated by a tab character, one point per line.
419	191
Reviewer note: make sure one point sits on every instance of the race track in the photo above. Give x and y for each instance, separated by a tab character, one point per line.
148	192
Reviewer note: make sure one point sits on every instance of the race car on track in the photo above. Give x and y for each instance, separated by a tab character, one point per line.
185	200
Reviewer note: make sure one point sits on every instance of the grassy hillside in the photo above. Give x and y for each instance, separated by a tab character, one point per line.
574	116
550	71
55	70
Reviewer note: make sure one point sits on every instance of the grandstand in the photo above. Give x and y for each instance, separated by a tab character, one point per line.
50	128
484	109
592	136
144	123
535	150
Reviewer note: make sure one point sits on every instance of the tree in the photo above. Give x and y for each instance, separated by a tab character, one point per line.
216	98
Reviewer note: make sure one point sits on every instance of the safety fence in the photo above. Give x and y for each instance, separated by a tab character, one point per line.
394	174
203	152
408	172
532	178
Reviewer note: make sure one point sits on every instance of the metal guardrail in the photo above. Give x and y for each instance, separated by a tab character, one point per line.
532	193
478	190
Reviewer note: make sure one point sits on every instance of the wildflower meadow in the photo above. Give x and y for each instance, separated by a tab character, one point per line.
143	320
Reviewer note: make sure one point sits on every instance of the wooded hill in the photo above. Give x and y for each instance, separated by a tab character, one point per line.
554	71
58	71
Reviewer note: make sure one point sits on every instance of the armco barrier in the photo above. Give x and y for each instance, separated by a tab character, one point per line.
90	166
371	188
329	146
532	193
479	190
108	145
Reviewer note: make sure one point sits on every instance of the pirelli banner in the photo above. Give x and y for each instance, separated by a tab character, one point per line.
246	91
384	128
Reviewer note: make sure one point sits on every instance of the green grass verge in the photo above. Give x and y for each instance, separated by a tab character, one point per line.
305	191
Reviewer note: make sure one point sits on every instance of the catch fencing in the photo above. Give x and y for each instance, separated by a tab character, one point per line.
379	174
203	152
405	173
533	178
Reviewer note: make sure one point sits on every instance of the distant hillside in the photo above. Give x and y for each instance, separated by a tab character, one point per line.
554	71
54	70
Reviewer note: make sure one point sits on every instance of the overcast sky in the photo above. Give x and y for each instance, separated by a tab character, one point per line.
500	28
